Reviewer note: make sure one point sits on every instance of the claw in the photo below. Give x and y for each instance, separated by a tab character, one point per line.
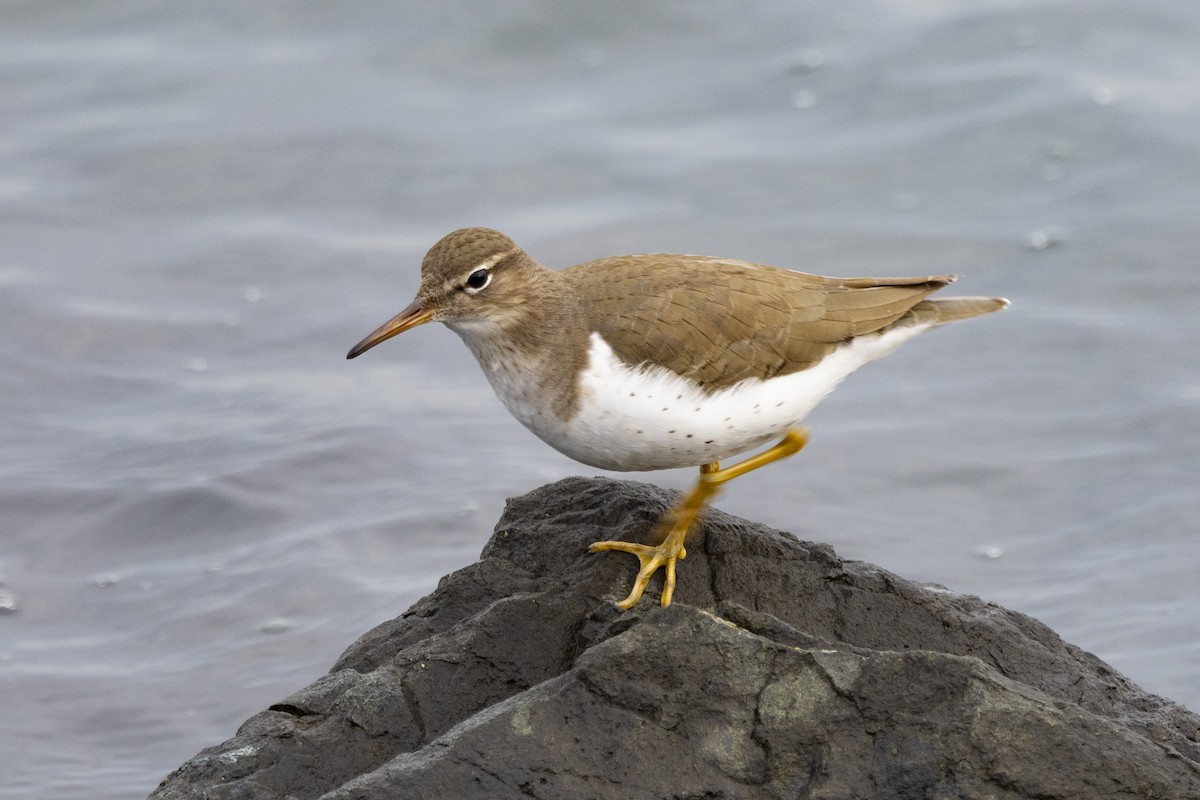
678	521
651	559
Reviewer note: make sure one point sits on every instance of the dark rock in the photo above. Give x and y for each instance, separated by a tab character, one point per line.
779	672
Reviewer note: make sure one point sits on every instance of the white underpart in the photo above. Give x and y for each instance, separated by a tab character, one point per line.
644	418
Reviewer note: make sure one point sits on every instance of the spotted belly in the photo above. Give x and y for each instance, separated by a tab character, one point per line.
648	418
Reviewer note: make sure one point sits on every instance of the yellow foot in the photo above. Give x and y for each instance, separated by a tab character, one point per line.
652	559
678	521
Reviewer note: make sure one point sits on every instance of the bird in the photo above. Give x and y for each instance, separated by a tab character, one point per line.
663	360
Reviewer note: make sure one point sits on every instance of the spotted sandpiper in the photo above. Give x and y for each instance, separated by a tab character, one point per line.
658	361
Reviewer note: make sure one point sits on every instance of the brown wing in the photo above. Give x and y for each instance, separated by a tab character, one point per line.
719	321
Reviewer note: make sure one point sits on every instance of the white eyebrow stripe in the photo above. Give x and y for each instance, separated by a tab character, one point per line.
487	263
492	261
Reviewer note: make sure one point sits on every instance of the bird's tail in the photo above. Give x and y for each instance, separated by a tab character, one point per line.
952	309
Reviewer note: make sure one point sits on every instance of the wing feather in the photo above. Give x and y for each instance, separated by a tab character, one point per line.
721	321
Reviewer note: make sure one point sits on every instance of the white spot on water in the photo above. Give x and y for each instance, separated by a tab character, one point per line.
804	98
1045	239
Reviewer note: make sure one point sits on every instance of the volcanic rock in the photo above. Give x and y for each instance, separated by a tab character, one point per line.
780	671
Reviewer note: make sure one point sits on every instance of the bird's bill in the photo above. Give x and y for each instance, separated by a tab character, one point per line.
410	317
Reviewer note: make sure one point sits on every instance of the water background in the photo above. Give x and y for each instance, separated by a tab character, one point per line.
203	206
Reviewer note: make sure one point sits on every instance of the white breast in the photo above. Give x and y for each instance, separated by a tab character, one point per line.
648	418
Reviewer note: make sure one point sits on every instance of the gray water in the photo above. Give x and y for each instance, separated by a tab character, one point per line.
202	206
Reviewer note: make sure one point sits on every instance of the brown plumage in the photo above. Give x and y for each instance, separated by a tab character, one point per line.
659	361
719	321
714	321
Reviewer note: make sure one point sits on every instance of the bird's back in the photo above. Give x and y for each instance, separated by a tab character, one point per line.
720	321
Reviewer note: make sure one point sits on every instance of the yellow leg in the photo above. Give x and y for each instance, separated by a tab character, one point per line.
678	521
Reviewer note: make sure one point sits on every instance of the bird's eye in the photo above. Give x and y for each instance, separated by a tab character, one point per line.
478	279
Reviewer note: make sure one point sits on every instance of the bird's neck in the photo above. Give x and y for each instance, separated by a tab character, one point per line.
533	356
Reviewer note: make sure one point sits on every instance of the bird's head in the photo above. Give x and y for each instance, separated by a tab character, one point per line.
473	279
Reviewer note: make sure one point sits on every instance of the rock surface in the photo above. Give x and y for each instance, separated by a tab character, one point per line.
780	671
